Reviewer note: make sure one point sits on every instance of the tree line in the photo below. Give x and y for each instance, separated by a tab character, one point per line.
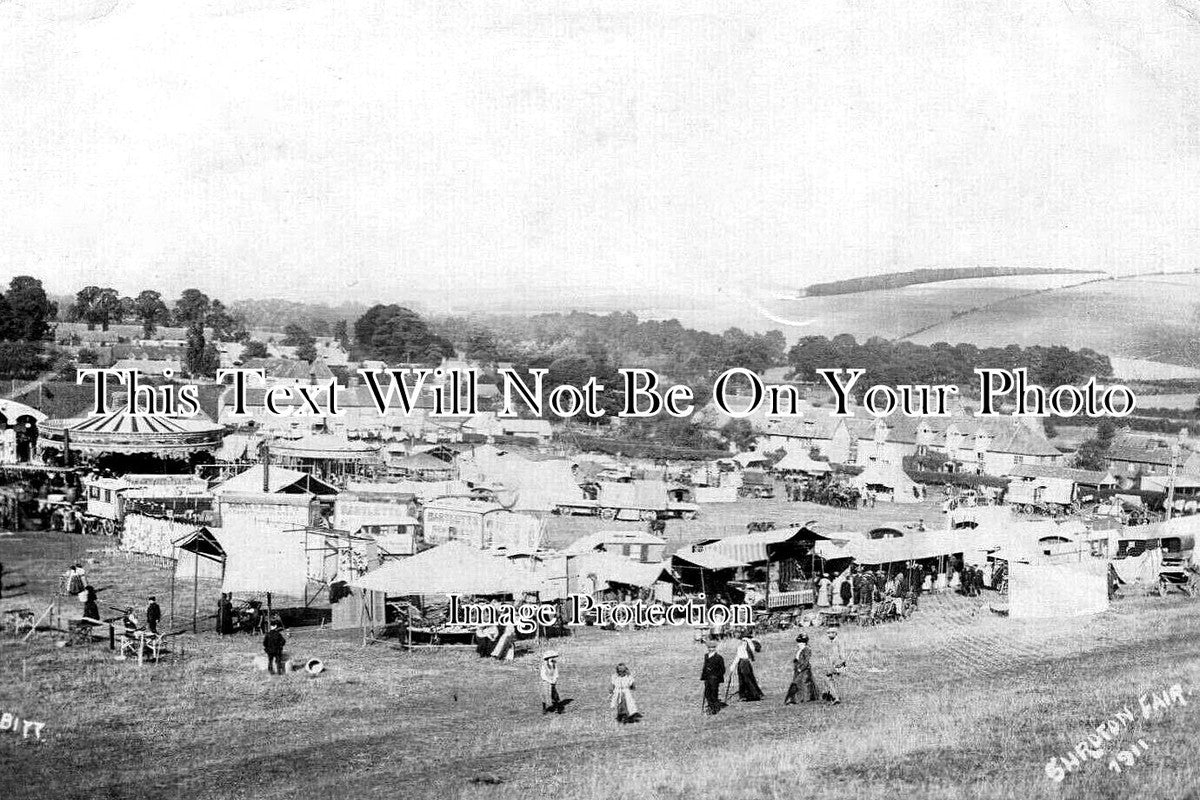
893	363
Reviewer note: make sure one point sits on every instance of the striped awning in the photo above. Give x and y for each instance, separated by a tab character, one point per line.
120	432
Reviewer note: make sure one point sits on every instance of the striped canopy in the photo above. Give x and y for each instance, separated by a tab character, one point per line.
120	432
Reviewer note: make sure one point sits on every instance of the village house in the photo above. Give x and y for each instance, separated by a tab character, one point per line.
1131	456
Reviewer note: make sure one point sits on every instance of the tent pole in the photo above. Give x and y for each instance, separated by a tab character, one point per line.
195	588
268	610
173	593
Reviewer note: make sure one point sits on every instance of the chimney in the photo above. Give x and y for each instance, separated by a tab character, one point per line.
266	462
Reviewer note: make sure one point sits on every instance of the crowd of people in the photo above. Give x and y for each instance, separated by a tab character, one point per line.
803	687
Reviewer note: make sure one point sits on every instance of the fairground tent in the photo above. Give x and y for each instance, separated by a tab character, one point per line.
796	461
450	568
888	481
538	485
261	558
1040	591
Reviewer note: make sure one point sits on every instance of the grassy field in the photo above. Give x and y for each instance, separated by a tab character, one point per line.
956	702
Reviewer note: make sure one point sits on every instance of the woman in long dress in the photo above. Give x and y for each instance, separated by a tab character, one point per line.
803	688
824	593
622	696
748	689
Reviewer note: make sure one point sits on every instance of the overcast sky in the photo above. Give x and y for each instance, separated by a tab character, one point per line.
382	150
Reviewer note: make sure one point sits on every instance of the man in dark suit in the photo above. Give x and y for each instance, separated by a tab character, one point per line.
153	615
273	644
713	675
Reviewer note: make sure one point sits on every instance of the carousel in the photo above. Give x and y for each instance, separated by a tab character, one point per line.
129	437
328	456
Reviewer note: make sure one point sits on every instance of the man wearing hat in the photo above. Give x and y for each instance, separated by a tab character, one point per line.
803	688
273	644
153	615
837	658
713	675
551	702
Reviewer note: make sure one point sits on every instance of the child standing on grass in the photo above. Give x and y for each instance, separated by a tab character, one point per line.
622	695
551	702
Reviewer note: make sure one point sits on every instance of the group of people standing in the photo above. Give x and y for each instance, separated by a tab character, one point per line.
803	686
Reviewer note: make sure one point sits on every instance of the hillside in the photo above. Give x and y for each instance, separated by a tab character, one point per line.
896	280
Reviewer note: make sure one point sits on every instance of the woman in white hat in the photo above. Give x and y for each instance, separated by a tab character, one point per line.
551	702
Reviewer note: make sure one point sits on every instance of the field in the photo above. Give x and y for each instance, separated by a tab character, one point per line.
1147	323
956	702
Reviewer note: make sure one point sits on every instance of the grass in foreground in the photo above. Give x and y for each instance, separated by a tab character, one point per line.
955	703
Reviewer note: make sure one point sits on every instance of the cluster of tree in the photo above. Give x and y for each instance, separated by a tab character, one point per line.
684	354
396	334
25	311
103	306
1093	454
25	315
894	363
318	319
896	280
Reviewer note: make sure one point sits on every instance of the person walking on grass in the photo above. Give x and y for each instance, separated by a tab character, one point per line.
621	698
551	701
273	644
837	663
713	675
803	688
743	665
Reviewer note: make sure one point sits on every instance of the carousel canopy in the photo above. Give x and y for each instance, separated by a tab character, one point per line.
11	410
152	434
326	446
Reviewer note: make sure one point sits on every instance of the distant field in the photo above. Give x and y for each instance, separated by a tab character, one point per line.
894	280
956	702
1149	319
1183	402
1147	325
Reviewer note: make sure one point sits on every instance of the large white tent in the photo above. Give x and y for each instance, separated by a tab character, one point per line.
261	558
888	480
1039	591
450	568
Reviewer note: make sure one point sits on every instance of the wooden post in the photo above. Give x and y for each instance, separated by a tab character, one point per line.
195	589
173	593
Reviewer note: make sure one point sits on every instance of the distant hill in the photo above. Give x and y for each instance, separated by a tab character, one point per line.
896	280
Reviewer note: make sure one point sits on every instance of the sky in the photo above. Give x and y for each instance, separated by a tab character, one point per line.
486	153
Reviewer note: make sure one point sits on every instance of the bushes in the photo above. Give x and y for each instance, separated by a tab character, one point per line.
22	360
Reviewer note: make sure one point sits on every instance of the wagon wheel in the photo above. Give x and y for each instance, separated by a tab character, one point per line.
108	527
608	513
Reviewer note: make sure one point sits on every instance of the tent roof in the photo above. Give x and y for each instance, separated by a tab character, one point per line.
120	432
750	548
281	479
451	568
591	541
800	462
324	446
889	475
708	560
612	568
11	410
203	543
